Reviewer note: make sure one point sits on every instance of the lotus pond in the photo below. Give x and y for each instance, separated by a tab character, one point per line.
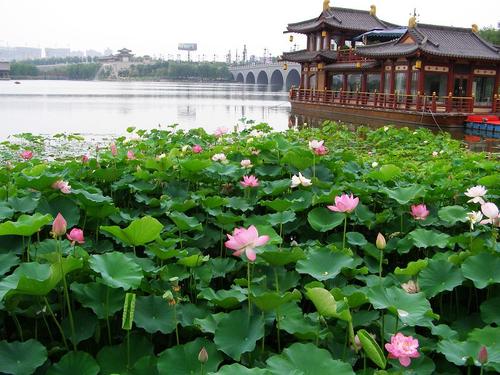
320	251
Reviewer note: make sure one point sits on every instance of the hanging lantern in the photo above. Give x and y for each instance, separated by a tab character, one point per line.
323	34
285	66
290	38
418	64
358	65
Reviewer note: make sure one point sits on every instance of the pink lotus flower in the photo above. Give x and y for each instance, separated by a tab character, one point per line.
403	348
59	226
314	144
245	241
476	193
85	158
27	154
344	203
197	149
219	132
321	150
63	186
482	357
490	210
250	181
130	155
114	150
419	212
75	235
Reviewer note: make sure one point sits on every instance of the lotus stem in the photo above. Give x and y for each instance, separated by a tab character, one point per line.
128	349
202	371
176	325
345	230
66	296
107	315
249	290
380	266
63	336
45	321
382	329
17	324
314	165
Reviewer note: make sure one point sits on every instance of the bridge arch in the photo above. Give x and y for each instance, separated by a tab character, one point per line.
292	79
277	78
240	78
262	78
250	78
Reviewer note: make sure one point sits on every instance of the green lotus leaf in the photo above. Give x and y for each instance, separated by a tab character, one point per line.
37	279
85	327
21	358
63	205
458	352
269	301
324	264
75	363
281	257
356	239
412	309
405	195
26	225
178	204
372	349
183	359
307	359
482	269
7	261
299	158
139	232
88	199
276	187
237	369
281	205
324	302
113	359
492	180
6	211
36	177
386	172
209	323
226	299
184	222
117	270
146	365
281	217
194	260
221	266
214	201
236	333
274	238
412	268
293	321
490	309
488	336
453	214
428	238
239	204
438	276
103	300
323	220
268	170
220	169
25	204
154	314
195	165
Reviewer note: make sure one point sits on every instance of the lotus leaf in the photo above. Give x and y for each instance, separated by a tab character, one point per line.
139	232
154	314
103	300
324	264
428	238
117	270
80	363
21	358
438	276
26	225
323	220
482	269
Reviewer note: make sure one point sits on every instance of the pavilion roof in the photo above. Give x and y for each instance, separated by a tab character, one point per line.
352	65
341	18
445	41
309	56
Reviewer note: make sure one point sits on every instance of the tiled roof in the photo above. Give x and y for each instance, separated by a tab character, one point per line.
341	18
308	56
443	41
352	65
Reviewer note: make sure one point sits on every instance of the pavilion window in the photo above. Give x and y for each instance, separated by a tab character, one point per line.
435	82
373	82
319	38
387	83
414	82
354	82
482	87
336	82
400	83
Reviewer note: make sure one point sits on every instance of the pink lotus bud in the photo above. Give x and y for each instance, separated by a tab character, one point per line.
27	154
380	242
203	355
130	155
483	355
197	149
75	235
85	159
114	150
59	226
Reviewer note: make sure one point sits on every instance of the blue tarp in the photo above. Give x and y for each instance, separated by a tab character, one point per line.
383	34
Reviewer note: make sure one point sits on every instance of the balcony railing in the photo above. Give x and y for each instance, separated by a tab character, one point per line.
396	101
348	55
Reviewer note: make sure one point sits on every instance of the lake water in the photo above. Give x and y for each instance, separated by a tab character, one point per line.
108	108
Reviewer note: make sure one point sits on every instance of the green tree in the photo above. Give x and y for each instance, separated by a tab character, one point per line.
491	34
23	70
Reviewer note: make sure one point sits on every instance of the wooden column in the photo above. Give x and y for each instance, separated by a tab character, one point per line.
470	80
393	76
344	82
382	78
408	78
421	79
451	76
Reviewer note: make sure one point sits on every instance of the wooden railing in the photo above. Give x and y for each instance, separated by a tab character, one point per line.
394	101
348	55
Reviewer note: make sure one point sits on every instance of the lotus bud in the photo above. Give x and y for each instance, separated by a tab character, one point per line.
380	242
203	355
169	297
411	287
59	226
483	355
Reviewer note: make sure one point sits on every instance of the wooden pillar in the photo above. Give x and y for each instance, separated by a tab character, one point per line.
321	81
344	82
382	78
408	78
470	80
421	80
451	76
393	76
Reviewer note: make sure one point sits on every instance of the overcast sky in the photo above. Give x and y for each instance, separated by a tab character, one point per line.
155	27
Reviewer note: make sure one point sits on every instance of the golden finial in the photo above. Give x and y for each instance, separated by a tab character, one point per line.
475	28
412	22
326	5
373	10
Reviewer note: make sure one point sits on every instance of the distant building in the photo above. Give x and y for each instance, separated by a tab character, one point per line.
93	53
108	52
19	53
123	55
4	70
77	54
57	52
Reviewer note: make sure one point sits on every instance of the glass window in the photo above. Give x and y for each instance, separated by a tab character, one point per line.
400	83
373	82
387	83
482	87
353	82
336	82
414	82
319	39
435	82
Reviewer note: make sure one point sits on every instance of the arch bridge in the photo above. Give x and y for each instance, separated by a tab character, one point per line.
272	74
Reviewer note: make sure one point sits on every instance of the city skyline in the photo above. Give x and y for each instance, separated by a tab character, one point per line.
156	28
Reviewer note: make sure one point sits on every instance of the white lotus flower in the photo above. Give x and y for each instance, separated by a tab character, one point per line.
314	144
474	218
476	193
300	180
245	163
490	210
374	164
219	157
256	133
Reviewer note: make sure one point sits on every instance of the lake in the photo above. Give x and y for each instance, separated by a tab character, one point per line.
108	108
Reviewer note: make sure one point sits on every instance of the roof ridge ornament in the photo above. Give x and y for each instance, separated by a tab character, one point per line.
412	22
326	5
373	10
475	28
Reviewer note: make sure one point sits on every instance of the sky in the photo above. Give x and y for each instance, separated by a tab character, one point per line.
155	27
